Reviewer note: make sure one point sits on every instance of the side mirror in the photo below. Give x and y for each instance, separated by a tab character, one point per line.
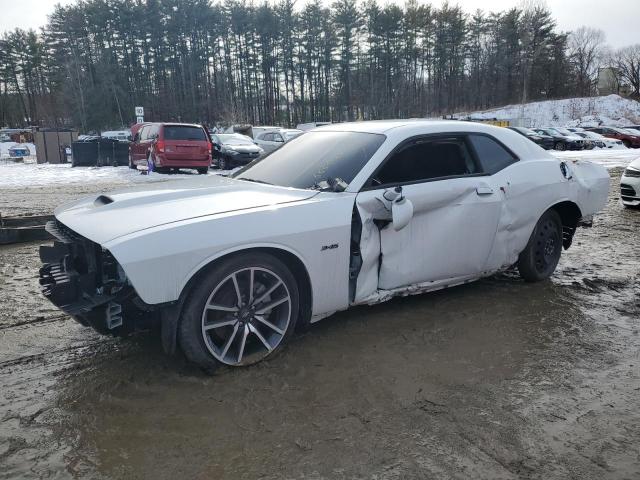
401	213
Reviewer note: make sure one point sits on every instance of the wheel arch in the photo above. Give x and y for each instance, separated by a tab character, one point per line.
570	215
171	315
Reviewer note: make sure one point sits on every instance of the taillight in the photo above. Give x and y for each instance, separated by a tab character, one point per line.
209	147
160	146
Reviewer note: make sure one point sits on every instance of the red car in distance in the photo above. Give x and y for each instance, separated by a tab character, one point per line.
629	140
170	146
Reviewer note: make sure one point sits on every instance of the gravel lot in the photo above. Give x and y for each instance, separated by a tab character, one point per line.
493	380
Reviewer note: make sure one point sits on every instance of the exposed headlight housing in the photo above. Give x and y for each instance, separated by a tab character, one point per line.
631	172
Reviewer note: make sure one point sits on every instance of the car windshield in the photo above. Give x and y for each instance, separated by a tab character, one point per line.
564	131
527	131
632	131
184	132
235	140
621	130
594	135
322	160
290	135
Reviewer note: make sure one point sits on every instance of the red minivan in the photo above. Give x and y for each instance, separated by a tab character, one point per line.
170	146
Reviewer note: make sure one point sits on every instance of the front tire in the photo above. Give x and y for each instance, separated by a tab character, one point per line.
560	146
540	257
223	163
239	312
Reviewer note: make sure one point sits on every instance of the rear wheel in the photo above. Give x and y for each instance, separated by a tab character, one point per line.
240	312
132	165
626	143
223	163
541	256
203	170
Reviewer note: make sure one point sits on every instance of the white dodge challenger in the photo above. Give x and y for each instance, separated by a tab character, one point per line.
346	214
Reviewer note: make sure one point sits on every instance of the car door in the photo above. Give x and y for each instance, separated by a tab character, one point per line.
138	152
267	142
456	209
216	146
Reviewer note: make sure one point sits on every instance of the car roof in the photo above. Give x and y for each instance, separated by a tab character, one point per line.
176	124
427	126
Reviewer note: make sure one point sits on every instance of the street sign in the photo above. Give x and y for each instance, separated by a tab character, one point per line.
139	119
139	111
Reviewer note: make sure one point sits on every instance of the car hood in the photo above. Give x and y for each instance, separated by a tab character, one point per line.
242	148
102	218
635	164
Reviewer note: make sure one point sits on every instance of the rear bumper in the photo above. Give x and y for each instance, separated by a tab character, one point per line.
161	160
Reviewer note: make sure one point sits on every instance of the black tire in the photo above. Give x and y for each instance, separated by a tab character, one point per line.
132	165
540	258
191	335
223	163
626	143
203	170
560	146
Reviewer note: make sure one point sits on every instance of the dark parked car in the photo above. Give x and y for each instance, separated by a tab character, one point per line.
629	139
597	143
167	146
233	149
545	141
562	141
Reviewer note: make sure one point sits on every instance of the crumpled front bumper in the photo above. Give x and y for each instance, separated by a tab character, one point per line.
81	278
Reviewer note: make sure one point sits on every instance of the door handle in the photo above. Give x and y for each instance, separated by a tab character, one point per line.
484	191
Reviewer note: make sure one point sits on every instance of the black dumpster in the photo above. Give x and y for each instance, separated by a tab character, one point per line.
85	153
100	152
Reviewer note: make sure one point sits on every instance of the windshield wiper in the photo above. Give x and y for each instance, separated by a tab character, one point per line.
254	180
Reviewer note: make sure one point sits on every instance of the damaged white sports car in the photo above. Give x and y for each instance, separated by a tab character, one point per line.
346	214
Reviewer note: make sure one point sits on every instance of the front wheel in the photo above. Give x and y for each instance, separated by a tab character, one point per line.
239	312
560	146
540	257
223	163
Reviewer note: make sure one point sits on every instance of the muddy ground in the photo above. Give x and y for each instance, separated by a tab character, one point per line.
494	380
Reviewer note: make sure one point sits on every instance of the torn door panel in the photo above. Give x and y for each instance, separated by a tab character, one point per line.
434	245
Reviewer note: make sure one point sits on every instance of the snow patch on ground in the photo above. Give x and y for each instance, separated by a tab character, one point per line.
610	110
18	175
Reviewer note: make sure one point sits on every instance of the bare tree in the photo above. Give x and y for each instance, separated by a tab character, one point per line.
627	64
585	47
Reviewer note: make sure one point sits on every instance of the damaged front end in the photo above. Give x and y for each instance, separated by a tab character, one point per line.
85	281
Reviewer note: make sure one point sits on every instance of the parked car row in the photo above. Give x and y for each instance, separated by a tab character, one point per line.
171	146
575	138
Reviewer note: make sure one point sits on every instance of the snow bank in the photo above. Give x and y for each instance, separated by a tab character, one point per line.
573	112
17	175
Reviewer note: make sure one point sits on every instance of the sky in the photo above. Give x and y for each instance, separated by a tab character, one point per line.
619	19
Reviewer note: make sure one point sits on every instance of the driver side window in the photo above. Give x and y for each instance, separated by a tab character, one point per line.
427	159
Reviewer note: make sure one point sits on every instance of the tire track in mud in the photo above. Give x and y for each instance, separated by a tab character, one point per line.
44	355
35	321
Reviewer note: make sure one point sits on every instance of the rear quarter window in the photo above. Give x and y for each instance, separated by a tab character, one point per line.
180	132
492	155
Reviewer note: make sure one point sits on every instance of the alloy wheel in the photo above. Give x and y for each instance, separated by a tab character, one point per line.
246	316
